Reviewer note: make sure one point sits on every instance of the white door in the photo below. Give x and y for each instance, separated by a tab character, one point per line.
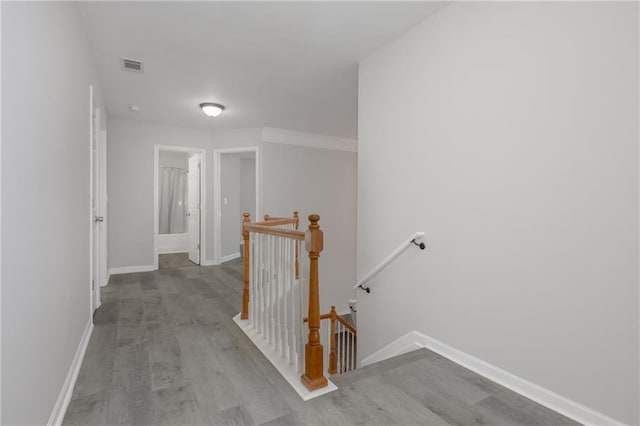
193	222
98	219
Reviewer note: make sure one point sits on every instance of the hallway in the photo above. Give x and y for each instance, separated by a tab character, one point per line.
166	351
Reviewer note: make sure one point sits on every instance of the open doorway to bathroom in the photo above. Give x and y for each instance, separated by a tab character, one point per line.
179	212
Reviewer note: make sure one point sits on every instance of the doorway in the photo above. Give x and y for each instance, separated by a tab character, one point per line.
179	216
236	186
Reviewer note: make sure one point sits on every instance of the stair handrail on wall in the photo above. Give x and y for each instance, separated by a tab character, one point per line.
412	240
271	281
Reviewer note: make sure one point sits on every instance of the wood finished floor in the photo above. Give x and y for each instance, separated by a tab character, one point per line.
165	351
174	260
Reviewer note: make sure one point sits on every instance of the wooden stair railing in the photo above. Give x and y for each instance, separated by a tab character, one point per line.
289	223
285	229
342	343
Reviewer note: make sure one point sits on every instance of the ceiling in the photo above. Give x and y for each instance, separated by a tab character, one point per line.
291	65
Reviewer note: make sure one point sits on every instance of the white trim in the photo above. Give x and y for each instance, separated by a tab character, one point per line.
203	197
217	194
308	140
131	269
207	263
103	199
415	340
91	293
94	287
230	257
289	372
0	225
60	409
174	250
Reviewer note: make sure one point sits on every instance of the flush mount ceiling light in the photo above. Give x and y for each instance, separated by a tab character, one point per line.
211	109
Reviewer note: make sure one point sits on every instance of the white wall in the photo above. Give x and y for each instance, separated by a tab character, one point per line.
130	184
231	220
320	181
248	184
46	72
509	133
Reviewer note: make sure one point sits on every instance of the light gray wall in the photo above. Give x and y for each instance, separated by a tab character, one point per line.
173	159
130	186
46	72
317	181
231	220
130	182
509	133
248	185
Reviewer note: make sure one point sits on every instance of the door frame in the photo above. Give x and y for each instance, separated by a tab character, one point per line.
217	194
203	197
103	204
94	156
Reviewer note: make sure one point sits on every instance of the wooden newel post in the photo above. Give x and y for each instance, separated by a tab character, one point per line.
245	291
333	356
313	377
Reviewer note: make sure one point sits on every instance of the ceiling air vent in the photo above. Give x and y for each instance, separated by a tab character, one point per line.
132	65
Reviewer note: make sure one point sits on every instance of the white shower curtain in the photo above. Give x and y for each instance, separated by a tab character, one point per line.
173	200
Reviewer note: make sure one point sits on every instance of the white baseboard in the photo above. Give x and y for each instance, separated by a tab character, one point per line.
173	250
207	262
131	269
565	406
60	409
229	257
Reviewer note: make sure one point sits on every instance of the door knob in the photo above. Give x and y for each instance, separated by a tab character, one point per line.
99	219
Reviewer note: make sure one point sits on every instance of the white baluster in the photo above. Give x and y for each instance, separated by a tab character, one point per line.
350	350
341	354
263	284
255	262
274	291
285	294
298	312
279	294
270	289
256	281
291	303
281	288
252	296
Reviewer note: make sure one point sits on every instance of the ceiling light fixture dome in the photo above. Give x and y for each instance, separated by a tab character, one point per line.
211	109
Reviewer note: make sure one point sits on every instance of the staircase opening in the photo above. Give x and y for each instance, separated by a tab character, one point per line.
281	305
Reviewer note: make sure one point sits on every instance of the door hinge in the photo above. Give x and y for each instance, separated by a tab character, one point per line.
93	285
